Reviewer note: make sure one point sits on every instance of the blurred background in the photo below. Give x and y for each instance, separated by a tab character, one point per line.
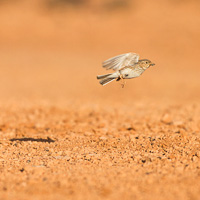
52	50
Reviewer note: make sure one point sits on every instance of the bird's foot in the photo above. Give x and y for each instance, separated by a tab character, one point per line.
122	81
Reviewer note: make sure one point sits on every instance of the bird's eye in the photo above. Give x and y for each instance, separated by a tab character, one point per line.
146	62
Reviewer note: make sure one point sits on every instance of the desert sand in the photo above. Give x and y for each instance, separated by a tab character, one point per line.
64	136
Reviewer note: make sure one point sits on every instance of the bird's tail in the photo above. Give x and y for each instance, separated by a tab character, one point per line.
106	81
107	78
103	76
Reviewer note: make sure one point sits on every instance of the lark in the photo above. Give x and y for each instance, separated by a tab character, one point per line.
126	66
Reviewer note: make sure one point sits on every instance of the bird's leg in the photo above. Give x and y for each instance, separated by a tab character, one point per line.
123	83
122	79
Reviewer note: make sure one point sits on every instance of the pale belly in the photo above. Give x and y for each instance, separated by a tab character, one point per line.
129	73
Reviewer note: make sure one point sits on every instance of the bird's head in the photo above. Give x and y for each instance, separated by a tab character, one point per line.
145	63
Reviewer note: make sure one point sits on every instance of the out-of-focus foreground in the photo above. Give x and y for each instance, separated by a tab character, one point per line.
64	135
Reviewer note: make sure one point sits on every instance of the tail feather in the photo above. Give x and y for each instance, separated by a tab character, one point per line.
107	78
106	81
103	76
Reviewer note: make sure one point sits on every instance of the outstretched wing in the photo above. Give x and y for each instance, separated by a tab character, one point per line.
123	60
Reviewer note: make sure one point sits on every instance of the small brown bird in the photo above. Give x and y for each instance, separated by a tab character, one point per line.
126	66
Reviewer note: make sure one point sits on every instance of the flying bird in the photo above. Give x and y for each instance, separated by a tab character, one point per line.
126	66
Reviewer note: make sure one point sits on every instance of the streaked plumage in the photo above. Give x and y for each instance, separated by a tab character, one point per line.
120	61
126	66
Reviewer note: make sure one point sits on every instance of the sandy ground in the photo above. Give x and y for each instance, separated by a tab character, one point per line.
63	135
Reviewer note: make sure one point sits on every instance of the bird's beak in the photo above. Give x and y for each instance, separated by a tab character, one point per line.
152	64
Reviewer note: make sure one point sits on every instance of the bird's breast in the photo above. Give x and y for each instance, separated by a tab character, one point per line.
131	73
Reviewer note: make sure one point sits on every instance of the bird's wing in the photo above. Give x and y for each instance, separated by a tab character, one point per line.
120	61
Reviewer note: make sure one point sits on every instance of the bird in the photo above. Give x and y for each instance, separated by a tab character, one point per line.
126	66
